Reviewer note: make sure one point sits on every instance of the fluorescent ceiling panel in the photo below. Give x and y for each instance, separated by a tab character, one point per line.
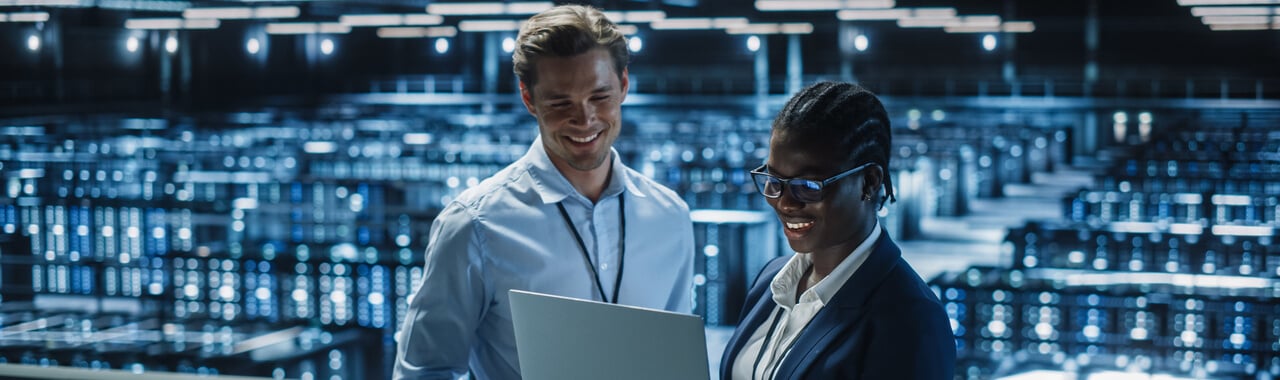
796	28
821	5
1227	2
933	13
644	16
1238	20
417	32
754	29
169	24
1234	27
40	3
28	17
1019	27
528	8
306	28
1234	11
628	29
682	24
488	8
873	14
728	22
971	29
242	13
449	9
924	22
976	21
390	19
489	25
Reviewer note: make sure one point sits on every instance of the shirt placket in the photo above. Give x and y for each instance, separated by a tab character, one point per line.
606	254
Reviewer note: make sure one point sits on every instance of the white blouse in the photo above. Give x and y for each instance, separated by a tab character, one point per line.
766	349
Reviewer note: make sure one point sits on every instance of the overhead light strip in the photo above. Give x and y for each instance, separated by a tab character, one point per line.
390	20
1018	27
528	8
1234	11
1235	27
971	29
276	12
762	29
422	19
24	17
307	28
488	8
1227	2
873	14
682	24
417	32
796	28
628	29
169	24
976	21
139	5
242	13
635	16
924	22
821	5
933	13
41	3
466	9
372	20
489	25
757	29
728	22
1239	20
703	23
644	16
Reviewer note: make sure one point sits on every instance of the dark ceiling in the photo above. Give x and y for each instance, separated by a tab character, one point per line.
1139	40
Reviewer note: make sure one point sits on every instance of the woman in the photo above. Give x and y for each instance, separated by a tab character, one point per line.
846	306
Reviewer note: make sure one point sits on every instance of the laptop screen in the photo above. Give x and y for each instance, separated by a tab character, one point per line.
561	338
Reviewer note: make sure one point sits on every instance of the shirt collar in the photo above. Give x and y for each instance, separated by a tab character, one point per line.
553	187
785	283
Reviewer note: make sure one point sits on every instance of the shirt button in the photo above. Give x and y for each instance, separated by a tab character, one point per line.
604	266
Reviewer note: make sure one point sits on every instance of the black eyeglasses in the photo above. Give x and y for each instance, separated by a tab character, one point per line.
804	190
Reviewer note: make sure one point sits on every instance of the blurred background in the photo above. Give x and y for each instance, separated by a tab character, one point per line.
245	187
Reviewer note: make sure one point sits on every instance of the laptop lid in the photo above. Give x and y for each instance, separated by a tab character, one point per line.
561	338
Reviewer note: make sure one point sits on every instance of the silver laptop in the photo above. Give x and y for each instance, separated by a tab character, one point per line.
561	338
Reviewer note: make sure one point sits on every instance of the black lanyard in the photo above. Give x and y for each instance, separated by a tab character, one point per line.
768	337
622	250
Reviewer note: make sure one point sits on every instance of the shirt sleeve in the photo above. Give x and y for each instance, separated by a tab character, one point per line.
440	328
681	299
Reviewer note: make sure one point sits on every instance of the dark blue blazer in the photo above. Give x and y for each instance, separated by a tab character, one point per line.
884	323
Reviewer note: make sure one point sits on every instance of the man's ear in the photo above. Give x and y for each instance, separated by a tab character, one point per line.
526	96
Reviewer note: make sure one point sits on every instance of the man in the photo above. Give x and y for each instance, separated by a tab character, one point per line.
568	218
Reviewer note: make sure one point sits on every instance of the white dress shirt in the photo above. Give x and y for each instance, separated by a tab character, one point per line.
507	233
794	315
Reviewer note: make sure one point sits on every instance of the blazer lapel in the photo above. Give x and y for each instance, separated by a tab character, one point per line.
754	318
844	311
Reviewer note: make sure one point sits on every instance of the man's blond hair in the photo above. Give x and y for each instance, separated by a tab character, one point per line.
566	31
